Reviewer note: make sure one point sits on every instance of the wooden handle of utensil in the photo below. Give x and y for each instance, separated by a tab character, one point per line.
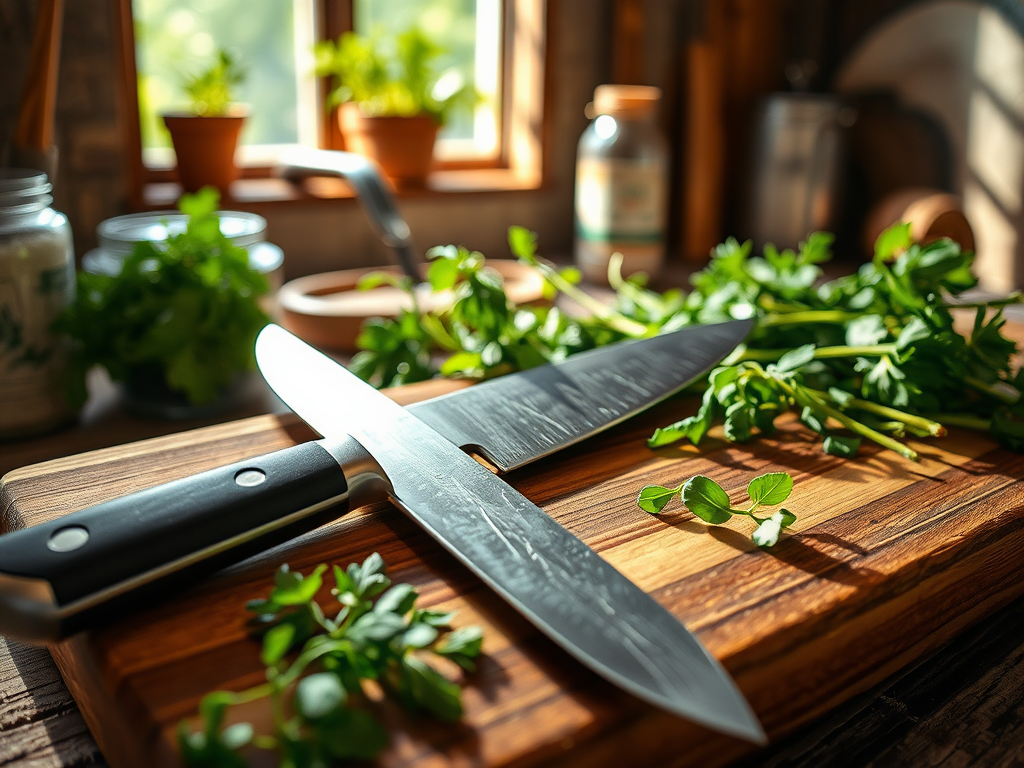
34	129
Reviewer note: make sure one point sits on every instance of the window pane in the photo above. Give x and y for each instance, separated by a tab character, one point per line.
176	38
471	31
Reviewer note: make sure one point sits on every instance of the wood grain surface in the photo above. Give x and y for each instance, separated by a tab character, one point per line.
889	559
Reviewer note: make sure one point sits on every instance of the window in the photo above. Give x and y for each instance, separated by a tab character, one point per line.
471	29
164	40
174	38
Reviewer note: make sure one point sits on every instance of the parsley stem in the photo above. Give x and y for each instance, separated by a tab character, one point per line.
637	295
965	420
931	427
1001	390
252	694
782	317
292	673
616	320
802	395
821	353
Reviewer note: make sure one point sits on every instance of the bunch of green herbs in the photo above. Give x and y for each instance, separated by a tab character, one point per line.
870	355
187	309
316	666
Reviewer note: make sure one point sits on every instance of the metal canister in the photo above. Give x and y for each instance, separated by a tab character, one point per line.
796	173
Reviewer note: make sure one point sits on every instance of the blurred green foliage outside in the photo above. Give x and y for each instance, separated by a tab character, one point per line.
177	38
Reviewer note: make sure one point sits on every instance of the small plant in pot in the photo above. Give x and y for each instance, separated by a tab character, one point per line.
205	136
392	99
177	326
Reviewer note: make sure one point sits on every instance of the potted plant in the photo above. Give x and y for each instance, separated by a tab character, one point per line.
177	325
391	98
205	136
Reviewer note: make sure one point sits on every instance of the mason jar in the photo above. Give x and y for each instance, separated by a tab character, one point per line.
37	281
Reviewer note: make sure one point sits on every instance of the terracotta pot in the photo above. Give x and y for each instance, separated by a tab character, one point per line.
402	146
205	149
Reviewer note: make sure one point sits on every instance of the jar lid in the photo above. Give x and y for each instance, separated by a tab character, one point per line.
119	234
626	100
23	190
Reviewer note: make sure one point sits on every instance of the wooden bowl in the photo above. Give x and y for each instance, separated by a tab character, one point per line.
328	310
932	214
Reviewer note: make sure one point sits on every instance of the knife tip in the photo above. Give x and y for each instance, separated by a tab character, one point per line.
733	718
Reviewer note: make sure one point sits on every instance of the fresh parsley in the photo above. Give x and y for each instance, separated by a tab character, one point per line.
187	310
708	500
873	355
316	665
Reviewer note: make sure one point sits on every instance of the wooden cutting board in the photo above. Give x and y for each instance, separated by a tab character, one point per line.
888	560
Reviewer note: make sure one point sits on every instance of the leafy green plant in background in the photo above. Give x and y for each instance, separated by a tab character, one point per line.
873	355
188	309
212	90
316	666
708	500
173	36
392	75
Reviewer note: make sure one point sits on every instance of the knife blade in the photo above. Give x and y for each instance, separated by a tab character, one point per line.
551	577
58	577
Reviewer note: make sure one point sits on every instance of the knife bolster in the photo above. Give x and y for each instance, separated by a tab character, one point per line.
367	481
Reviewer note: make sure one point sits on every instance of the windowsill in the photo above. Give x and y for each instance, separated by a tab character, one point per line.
271	191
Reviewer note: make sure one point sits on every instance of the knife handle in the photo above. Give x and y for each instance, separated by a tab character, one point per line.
63	575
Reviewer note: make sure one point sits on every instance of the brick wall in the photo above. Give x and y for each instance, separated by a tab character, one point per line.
89	185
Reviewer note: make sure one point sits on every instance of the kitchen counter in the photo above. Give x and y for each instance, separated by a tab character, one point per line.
962	705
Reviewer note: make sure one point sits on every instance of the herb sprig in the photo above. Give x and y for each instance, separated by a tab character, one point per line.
188	310
212	90
316	666
708	500
873	355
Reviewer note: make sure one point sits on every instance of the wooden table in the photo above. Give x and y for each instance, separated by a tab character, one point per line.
961	706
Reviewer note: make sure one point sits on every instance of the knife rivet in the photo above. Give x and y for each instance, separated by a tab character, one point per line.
247	478
67	538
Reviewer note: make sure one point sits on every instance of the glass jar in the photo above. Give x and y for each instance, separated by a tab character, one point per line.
118	236
622	184
37	280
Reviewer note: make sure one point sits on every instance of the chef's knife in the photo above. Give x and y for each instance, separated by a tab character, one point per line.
55	574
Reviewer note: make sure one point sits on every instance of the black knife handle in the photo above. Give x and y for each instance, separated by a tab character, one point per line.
60	576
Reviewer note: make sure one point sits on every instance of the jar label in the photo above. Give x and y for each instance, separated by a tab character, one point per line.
620	200
36	283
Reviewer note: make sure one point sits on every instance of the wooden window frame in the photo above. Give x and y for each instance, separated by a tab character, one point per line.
517	166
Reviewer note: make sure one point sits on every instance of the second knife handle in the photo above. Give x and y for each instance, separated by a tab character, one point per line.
89	559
